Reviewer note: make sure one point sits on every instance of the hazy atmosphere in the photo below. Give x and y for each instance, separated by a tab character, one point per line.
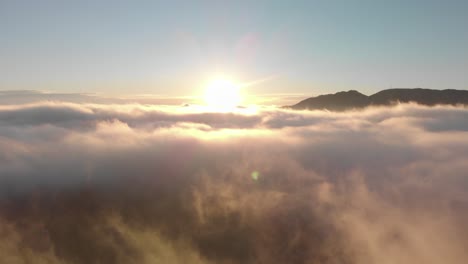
232	132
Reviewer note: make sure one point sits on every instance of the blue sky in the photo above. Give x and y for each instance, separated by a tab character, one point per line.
174	47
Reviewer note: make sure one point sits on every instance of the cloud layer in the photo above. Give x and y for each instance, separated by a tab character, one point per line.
130	183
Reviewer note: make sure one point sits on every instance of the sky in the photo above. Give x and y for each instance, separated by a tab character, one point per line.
173	48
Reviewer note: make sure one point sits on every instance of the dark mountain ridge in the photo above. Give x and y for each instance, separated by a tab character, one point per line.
352	99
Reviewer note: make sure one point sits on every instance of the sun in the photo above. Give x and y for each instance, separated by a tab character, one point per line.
223	94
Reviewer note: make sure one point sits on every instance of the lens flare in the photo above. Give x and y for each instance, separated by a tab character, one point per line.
255	175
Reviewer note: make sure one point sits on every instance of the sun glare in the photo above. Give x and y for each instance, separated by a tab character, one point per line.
223	94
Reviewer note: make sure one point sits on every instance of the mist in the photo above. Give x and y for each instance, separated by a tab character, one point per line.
136	183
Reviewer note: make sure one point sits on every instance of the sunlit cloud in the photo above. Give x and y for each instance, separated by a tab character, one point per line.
137	183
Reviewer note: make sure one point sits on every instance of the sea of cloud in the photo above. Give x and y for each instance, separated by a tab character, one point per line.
134	183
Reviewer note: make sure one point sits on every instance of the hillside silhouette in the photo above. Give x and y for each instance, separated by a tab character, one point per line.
353	99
